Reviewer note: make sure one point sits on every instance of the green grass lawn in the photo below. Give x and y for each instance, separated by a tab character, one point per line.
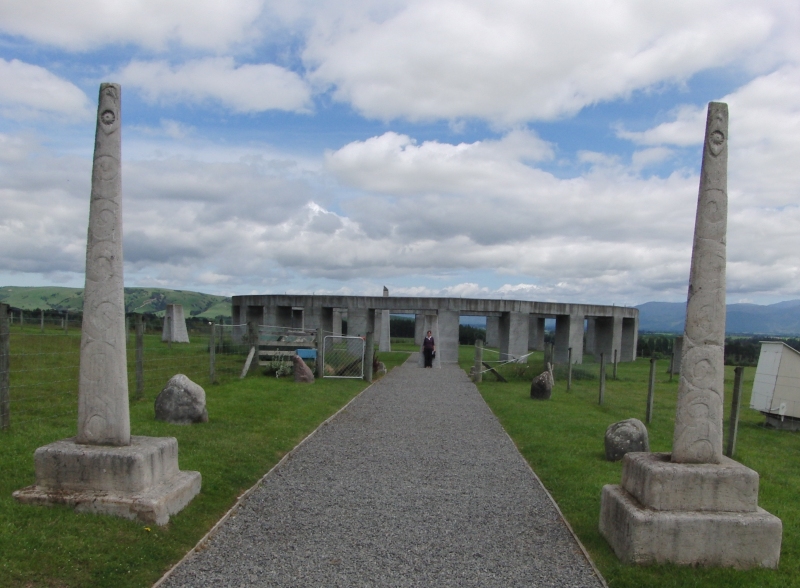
252	424
562	439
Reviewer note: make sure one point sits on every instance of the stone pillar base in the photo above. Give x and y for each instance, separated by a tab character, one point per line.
688	514
138	481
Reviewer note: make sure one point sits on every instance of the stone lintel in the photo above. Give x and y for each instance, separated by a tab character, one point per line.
69	466
660	484
644	536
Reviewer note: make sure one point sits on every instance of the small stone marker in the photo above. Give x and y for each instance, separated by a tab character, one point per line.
625	437
174	330
302	373
542	385
181	402
704	503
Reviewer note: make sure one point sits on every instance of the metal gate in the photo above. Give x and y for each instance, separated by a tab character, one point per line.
343	357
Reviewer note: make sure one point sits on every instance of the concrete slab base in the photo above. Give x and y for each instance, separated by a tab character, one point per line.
139	481
688	514
782	423
639	535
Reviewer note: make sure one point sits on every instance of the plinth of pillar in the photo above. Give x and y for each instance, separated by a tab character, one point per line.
137	481
688	514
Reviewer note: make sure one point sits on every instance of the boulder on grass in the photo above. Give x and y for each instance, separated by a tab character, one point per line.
302	373
542	385
181	402
624	437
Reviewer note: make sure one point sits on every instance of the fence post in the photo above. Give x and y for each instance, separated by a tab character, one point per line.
369	354
66	322
320	348
212	354
5	350
651	390
602	379
671	364
252	339
21	319
736	404
139	357
477	374
41	320
569	369
615	364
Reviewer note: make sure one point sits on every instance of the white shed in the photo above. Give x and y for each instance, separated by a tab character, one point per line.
776	389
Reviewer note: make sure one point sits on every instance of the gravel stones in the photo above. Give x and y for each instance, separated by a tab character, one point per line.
415	483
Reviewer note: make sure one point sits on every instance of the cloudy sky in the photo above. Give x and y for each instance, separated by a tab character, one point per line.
523	149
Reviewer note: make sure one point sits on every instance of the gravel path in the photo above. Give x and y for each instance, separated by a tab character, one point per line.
415	483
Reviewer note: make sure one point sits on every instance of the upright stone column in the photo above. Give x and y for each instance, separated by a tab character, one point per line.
337	321
104	469
630	339
103	416
569	334
357	321
536	333
385	342
447	339
492	331
696	506
419	328
174	328
698	421
513	334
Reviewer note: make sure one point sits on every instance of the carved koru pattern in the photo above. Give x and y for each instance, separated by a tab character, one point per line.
698	420
103	415
718	128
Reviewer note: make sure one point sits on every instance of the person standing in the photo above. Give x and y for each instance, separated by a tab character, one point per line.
429	349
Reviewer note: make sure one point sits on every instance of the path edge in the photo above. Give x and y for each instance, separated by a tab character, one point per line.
549	496
244	495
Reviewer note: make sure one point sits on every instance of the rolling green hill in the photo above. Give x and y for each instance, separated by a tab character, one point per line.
140	300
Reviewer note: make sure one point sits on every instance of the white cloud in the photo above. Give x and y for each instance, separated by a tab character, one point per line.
647	157
243	88
394	163
78	25
30	91
509	61
764	134
686	129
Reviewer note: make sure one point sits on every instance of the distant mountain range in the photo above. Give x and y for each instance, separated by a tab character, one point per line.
143	300
782	318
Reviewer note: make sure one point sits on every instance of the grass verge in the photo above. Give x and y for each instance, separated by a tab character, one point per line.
562	439
252	424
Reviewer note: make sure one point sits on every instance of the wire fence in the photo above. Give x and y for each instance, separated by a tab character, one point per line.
40	359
